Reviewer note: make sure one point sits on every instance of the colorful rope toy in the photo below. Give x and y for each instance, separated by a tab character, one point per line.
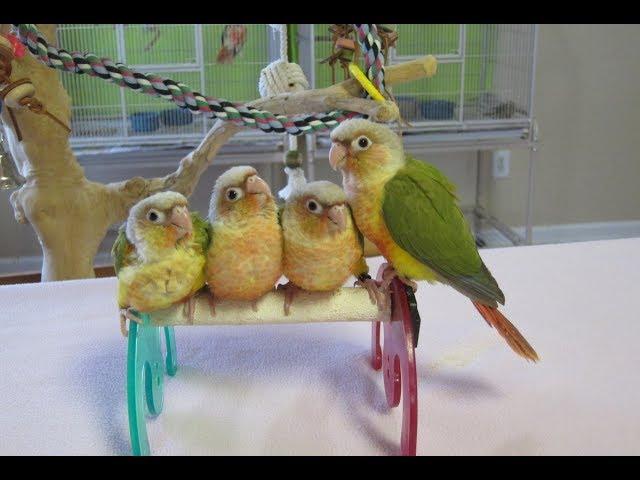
179	93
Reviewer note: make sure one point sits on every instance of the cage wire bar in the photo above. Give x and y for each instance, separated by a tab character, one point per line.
103	115
481	98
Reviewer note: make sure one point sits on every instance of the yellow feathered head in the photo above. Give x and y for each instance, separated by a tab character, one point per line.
364	149
159	221
238	194
317	209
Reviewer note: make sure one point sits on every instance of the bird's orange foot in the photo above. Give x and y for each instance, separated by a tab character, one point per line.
376	294
127	314
212	304
289	292
189	309
387	273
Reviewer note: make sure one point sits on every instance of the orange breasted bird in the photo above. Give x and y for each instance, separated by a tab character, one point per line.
244	260
322	246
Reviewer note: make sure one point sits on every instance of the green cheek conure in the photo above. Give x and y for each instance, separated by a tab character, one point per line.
159	256
322	246
410	211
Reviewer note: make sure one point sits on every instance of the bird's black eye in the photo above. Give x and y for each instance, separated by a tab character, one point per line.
313	206
233	194
361	143
153	216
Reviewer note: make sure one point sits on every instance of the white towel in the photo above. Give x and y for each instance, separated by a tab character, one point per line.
309	389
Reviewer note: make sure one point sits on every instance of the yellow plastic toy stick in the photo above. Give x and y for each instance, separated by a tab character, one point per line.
366	84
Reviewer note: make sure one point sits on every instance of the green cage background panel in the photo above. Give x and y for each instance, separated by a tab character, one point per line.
480	67
484	75
103	110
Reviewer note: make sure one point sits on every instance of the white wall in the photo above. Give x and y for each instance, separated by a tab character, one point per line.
588	108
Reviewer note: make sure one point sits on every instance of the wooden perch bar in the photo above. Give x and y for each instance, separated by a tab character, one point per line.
348	304
424	67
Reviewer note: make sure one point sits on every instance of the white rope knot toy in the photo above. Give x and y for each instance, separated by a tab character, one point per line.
278	77
281	77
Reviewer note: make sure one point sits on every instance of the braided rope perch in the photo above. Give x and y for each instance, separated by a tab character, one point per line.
179	93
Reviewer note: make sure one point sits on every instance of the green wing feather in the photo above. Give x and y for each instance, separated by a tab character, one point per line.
123	251
201	232
421	212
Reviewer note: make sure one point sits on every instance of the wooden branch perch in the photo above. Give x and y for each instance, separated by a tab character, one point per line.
184	179
346	95
347	304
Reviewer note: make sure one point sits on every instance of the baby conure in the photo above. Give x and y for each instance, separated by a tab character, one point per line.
244	260
410	211
322	246
159	255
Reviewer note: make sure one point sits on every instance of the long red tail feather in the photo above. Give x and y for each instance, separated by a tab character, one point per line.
507	330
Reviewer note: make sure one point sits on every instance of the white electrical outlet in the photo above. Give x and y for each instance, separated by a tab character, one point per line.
501	159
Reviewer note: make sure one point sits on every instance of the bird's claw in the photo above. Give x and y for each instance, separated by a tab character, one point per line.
386	274
212	304
189	309
127	314
376	294
389	273
289	292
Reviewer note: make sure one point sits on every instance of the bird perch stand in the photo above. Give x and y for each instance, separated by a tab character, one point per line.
146	364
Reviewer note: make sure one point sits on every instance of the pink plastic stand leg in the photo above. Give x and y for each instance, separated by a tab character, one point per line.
398	364
376	349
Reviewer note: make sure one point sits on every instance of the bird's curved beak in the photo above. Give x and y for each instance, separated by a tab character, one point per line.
254	185
338	215
181	220
338	156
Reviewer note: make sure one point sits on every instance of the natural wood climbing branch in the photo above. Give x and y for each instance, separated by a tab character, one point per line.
71	214
346	95
183	180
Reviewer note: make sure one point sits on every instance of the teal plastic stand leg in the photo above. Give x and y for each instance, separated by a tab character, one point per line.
172	358
145	377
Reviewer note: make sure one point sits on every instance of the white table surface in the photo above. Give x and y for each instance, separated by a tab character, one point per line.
309	389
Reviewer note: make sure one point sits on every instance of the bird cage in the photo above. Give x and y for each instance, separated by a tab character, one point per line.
481	98
104	115
485	73
484	80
